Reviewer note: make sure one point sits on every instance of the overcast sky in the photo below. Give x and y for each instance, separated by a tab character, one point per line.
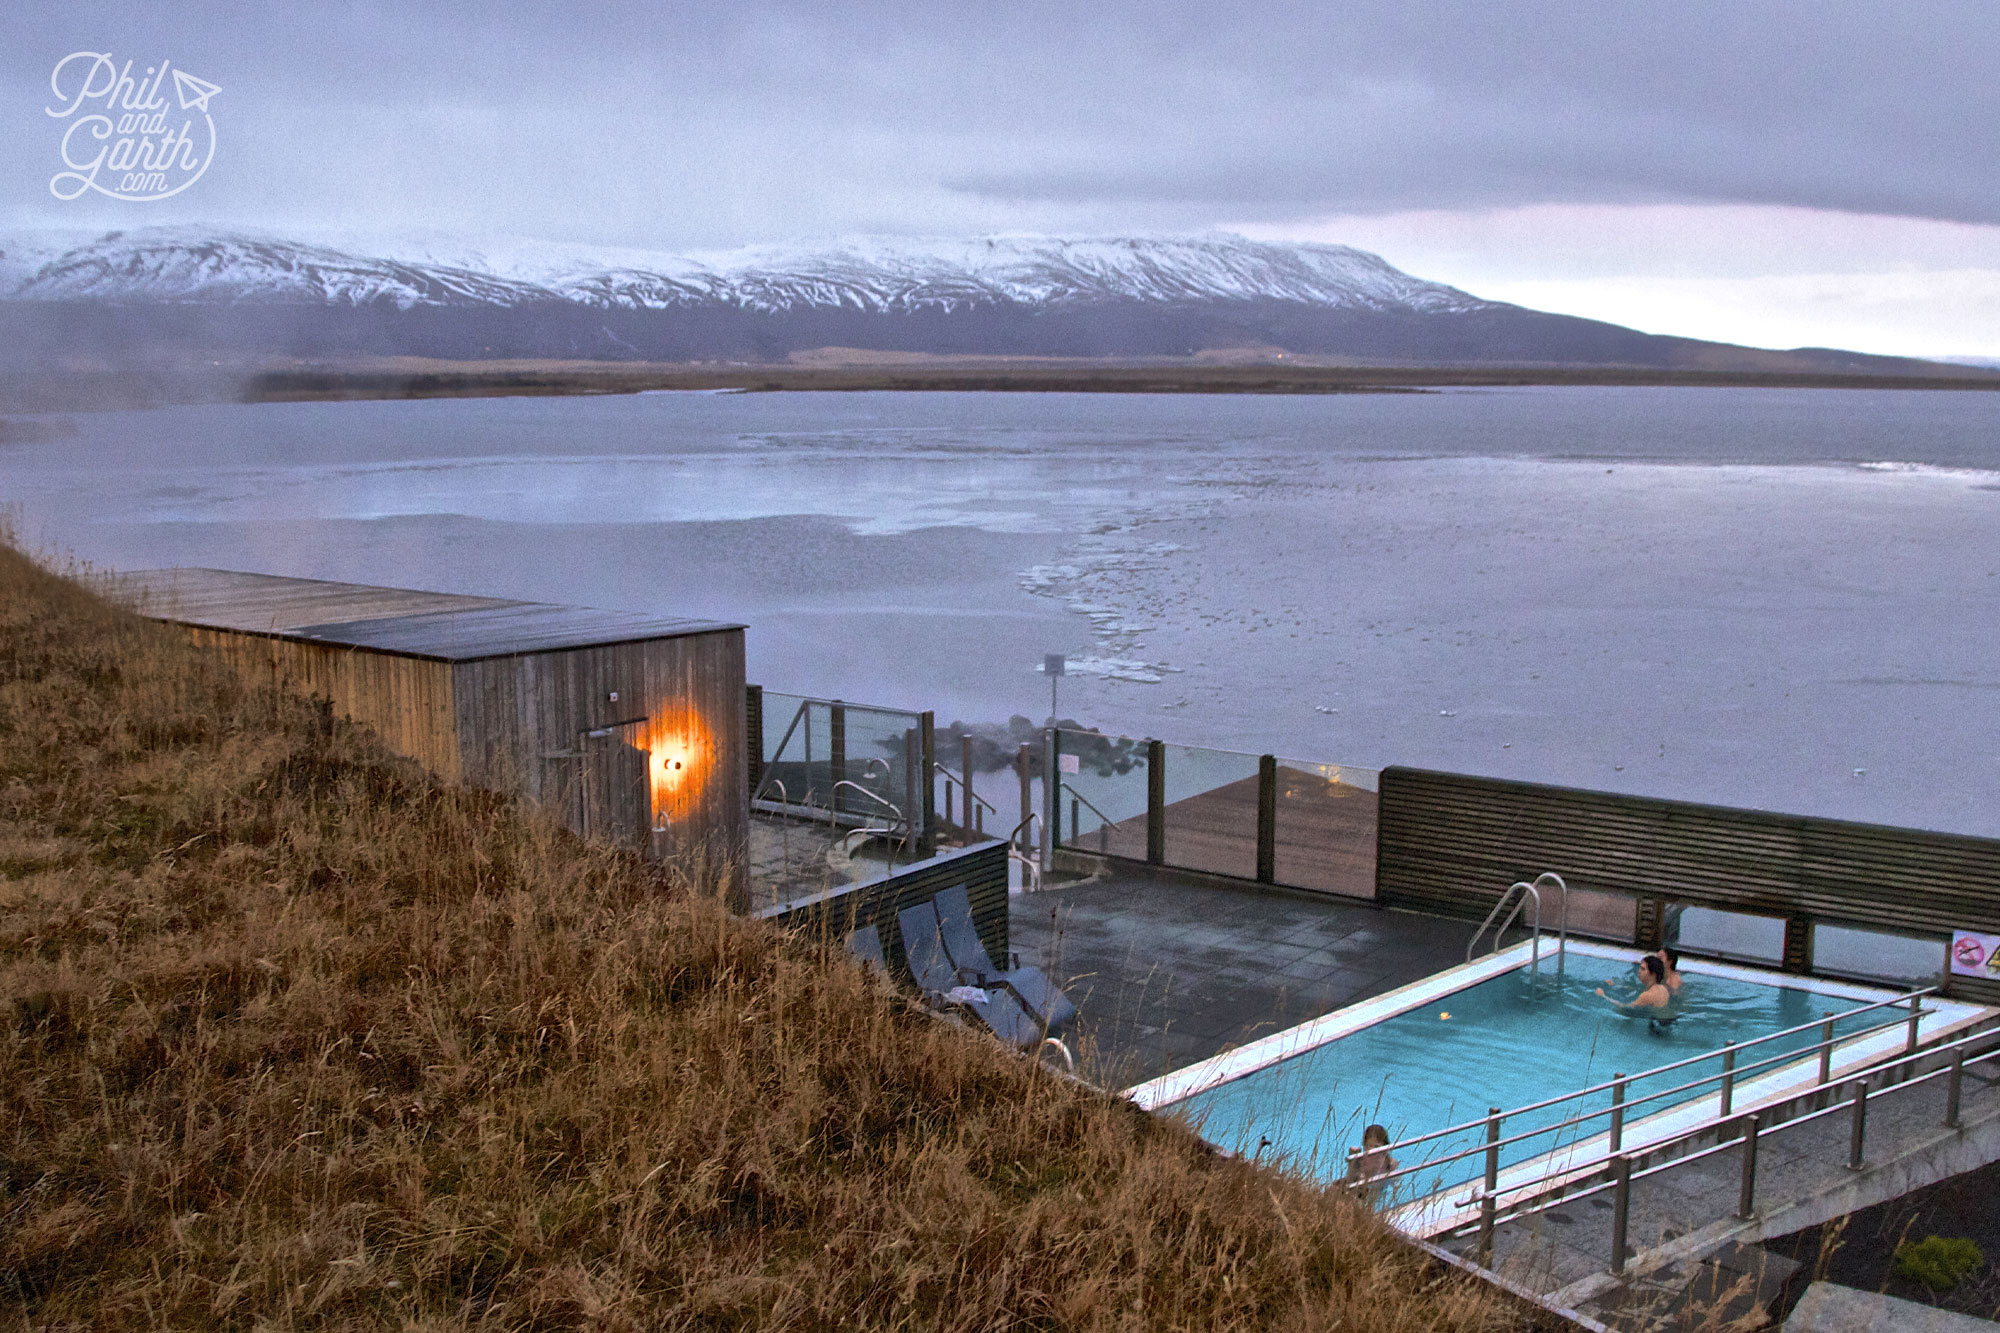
1781	174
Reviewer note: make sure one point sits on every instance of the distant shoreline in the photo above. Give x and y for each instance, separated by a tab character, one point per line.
483	380
377	379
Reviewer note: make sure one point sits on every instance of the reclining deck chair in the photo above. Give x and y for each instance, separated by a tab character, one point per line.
941	983
1042	998
865	946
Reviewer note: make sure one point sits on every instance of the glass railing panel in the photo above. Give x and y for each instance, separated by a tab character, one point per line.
813	746
882	755
1211	810
1325	827
1101	803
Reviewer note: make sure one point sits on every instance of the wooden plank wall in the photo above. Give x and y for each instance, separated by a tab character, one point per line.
408	701
1451	844
519	715
982	869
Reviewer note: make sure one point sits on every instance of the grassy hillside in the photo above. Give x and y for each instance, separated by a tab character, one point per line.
294	1036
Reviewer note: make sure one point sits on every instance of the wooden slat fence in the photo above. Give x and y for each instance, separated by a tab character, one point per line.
982	869
1450	844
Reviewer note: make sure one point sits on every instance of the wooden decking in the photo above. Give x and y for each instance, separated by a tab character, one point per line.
1325	833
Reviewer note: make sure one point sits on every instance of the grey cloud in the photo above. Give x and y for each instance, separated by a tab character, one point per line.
705	124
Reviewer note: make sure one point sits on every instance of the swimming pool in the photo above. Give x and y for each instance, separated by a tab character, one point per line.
1449	1048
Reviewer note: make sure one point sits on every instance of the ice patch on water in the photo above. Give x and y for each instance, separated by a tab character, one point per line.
1117	668
1979	476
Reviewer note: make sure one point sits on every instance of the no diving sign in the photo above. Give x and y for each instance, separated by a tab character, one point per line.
1975	955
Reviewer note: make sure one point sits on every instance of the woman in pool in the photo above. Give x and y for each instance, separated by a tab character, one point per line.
1653	992
1373	1160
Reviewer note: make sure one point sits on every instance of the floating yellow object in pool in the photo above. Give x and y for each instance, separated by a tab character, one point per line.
1444	1014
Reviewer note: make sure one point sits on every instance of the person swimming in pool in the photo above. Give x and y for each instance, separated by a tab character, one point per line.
1653	992
1671	958
1372	1161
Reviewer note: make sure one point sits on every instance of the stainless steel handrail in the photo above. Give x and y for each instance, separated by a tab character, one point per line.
1528	893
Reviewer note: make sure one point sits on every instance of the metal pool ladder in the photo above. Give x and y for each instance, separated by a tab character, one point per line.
1521	893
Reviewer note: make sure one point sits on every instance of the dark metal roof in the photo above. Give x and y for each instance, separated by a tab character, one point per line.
441	626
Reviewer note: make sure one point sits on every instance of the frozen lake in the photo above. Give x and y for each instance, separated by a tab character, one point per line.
1782	599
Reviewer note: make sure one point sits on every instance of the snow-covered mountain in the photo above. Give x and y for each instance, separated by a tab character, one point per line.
189	294
872	274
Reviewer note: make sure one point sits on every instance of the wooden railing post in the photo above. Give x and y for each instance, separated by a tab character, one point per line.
1617	1112
1022	764
1857	1133
836	713
1156	802
972	820
1267	819
927	785
753	727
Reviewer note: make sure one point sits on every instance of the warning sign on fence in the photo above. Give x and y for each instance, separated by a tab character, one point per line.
1975	955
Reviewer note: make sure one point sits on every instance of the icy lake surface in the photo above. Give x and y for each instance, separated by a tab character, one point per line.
1782	599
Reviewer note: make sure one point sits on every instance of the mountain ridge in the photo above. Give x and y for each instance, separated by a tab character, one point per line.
194	292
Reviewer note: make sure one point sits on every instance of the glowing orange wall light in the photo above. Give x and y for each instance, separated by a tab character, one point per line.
680	754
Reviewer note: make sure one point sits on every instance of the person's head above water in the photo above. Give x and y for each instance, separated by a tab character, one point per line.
1374	1137
1671	955
1655	971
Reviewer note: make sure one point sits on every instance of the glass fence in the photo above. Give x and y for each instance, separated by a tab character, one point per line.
1293	822
857	763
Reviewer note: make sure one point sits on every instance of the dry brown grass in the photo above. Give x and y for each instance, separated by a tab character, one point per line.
294	1036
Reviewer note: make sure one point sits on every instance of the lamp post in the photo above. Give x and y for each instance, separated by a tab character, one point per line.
1052	667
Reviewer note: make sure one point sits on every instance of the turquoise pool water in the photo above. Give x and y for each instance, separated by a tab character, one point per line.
1508	1041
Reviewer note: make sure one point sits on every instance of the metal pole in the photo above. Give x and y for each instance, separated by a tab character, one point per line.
1951	1087
1617	1112
1826	1052
1858	1133
1488	1205
1916	1012
1746	1197
1728	1078
1621	1209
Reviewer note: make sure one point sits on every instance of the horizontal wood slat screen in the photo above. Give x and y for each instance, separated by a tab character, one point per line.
1450	844
981	869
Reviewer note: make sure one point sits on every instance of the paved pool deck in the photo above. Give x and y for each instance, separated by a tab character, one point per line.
1167	970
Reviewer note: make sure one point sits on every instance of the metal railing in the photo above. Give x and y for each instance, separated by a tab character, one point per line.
1529	893
1620	1106
1020	848
1077	799
977	807
1750	1129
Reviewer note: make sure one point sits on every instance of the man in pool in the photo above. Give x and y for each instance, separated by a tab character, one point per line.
1653	992
1671	959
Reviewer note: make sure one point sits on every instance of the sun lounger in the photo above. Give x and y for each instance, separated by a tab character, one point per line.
942	984
1042	998
930	965
865	944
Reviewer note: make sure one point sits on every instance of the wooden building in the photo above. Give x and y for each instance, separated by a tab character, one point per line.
629	726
